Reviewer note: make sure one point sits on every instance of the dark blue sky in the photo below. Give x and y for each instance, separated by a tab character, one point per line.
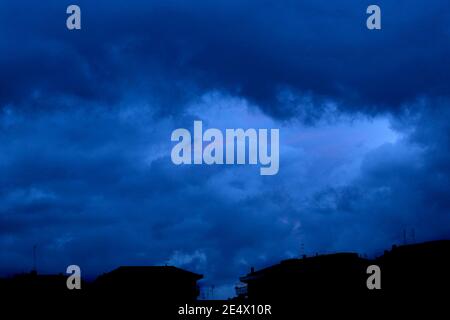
86	118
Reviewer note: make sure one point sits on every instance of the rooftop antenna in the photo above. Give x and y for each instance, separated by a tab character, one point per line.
34	259
302	249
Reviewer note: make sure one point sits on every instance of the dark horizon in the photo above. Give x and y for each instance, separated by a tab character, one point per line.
430	256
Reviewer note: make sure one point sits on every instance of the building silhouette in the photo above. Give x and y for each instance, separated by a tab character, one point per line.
35	283
416	269
153	284
412	270
163	283
312	276
409	271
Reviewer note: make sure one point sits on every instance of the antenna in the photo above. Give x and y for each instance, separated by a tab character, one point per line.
302	249
34	259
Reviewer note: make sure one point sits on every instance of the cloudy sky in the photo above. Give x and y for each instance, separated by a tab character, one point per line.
86	118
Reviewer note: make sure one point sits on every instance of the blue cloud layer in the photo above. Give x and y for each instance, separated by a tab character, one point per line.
86	119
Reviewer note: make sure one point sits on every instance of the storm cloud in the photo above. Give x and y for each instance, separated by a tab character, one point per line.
86	118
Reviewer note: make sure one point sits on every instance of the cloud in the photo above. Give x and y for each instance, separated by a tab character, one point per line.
280	57
86	118
97	188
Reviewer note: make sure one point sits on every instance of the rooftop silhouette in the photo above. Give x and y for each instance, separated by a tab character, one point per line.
408	270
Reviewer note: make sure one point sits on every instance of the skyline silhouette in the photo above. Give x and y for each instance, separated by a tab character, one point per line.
412	270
